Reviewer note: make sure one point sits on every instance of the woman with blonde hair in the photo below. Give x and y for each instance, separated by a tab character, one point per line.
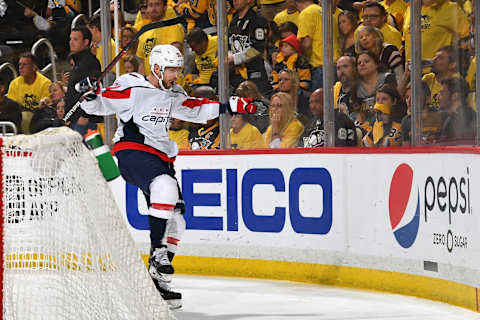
371	39
289	83
285	129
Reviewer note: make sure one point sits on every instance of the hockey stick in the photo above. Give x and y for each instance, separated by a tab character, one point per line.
145	28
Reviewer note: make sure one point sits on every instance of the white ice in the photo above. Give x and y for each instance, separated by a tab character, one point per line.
220	298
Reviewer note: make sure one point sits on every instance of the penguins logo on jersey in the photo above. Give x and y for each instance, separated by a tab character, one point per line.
239	43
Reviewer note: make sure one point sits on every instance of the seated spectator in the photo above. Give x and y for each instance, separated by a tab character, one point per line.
375	15
458	119
260	119
130	64
178	133
10	110
127	34
205	48
370	79
285	130
288	83
60	107
444	67
57	93
371	39
431	118
347	24
28	88
287	29
243	135
344	91
315	135
386	130
44	118
205	136
290	58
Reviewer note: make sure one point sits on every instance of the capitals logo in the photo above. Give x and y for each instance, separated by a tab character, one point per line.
404	206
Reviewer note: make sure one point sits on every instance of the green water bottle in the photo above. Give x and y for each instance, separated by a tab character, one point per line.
104	157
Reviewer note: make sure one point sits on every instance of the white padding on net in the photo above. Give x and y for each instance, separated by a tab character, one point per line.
67	251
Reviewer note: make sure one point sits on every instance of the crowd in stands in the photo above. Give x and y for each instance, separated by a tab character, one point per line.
275	55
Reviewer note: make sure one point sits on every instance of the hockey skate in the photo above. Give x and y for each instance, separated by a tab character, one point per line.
159	265
174	299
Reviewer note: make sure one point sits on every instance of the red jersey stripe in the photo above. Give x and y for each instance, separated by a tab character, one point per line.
172	240
129	145
163	206
124	94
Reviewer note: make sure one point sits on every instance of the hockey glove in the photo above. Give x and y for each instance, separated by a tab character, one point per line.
88	84
241	105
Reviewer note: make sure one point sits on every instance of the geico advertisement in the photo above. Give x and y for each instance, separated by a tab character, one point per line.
288	201
416	207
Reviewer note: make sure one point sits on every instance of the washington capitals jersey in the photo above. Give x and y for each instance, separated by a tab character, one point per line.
144	111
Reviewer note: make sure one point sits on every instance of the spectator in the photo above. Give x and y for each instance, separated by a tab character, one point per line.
289	14
57	93
290	58
10	110
285	130
60	108
315	136
247	43
311	38
389	110
370	79
458	119
205	48
397	9
130	64
28	88
174	35
431	118
444	66
260	119
199	13
127	34
287	29
207	136
343	90
243	135
142	17
97	42
347	24
44	118
442	22
85	64
371	39
178	133
270	8
289	83
374	15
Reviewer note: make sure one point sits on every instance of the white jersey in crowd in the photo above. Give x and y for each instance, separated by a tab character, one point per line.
144	111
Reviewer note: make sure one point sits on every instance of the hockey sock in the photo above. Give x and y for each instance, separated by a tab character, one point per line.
157	231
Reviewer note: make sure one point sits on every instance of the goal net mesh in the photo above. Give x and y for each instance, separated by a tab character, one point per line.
67	253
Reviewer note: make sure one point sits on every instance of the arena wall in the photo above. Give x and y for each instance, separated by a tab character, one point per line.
397	220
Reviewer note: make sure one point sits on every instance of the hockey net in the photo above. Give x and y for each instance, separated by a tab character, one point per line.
67	253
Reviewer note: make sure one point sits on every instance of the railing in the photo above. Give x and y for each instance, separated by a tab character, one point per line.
52	54
78	19
8	65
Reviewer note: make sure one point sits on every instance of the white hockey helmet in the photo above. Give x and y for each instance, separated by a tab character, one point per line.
165	55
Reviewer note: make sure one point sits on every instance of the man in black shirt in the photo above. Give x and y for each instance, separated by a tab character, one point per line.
247	39
314	135
9	109
85	64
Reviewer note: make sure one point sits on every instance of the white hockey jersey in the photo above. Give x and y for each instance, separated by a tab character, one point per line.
144	111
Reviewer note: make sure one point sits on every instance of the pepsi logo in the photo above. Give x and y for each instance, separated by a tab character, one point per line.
404	206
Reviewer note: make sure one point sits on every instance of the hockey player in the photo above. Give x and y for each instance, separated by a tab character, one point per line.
144	106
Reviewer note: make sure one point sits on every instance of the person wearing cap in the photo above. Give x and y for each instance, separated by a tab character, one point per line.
290	57
28	88
389	110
